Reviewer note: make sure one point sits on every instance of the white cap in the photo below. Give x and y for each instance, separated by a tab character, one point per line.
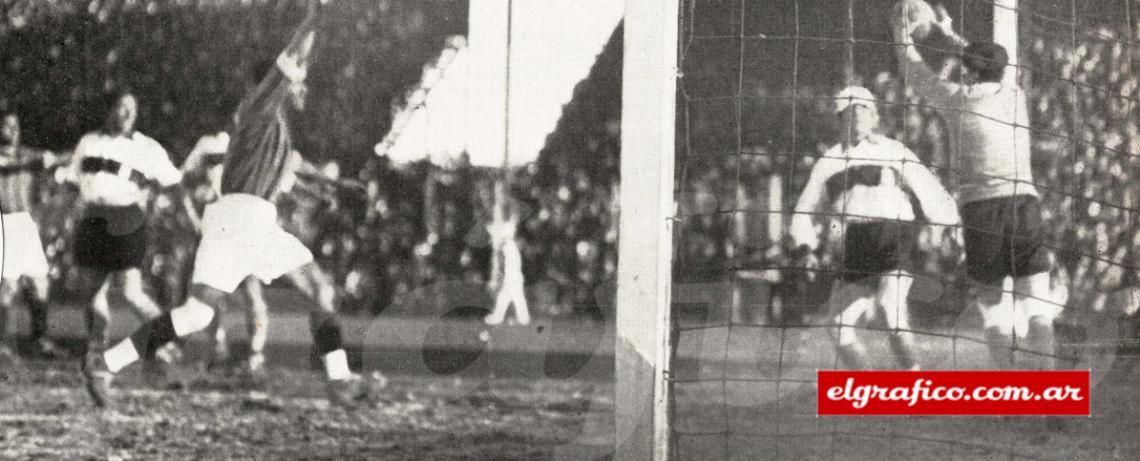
853	95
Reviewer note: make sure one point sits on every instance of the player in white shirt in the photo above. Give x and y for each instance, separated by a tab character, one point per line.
112	168
867	180
506	269
241	238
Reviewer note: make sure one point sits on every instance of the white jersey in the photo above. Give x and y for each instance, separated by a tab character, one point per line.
108	168
869	182
988	130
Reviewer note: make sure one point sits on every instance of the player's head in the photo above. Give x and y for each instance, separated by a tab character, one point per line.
10	130
122	113
858	112
984	62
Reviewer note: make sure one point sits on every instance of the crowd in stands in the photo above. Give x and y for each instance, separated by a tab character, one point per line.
412	226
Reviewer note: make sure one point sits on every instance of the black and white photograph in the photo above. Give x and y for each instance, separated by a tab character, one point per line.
570	229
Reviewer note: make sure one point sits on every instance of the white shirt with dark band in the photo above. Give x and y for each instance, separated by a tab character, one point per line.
869	182
109	168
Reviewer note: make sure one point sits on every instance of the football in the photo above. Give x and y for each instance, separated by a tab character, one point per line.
918	15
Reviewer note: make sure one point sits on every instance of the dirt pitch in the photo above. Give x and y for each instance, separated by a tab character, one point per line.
44	414
485	412
732	409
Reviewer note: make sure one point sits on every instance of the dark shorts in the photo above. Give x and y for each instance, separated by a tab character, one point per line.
111	238
874	248
1005	236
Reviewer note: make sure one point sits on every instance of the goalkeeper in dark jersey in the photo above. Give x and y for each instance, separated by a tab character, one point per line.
240	235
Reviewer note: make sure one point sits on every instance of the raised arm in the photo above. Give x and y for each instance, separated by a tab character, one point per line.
286	76
946	25
294	61
914	69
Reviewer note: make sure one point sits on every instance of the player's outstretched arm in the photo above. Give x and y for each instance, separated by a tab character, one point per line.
913	68
945	23
802	229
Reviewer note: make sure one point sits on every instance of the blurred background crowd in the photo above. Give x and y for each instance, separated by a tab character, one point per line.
410	226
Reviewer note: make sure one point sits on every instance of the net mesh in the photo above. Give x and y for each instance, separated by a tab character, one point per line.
752	323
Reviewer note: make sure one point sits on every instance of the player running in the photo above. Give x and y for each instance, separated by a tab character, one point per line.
988	121
25	271
112	168
240	234
868	180
206	159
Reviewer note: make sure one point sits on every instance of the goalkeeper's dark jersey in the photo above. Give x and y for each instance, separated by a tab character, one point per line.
261	142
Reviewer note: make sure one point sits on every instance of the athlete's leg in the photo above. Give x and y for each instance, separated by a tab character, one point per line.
35	294
215	336
257	324
853	301
1033	294
323	323
502	305
193	316
99	314
344	387
498	284
7	298
999	320
892	301
161	358
517	294
130	285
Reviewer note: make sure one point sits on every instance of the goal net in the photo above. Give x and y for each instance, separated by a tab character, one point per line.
751	314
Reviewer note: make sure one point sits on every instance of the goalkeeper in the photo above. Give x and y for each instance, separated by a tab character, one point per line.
988	129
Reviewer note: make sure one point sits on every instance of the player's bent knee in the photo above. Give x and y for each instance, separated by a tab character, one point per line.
192	317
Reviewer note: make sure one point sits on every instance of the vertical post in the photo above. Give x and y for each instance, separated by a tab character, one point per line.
775	209
849	46
1005	34
645	250
775	236
488	24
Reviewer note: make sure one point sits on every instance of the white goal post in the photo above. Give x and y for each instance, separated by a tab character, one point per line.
645	250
